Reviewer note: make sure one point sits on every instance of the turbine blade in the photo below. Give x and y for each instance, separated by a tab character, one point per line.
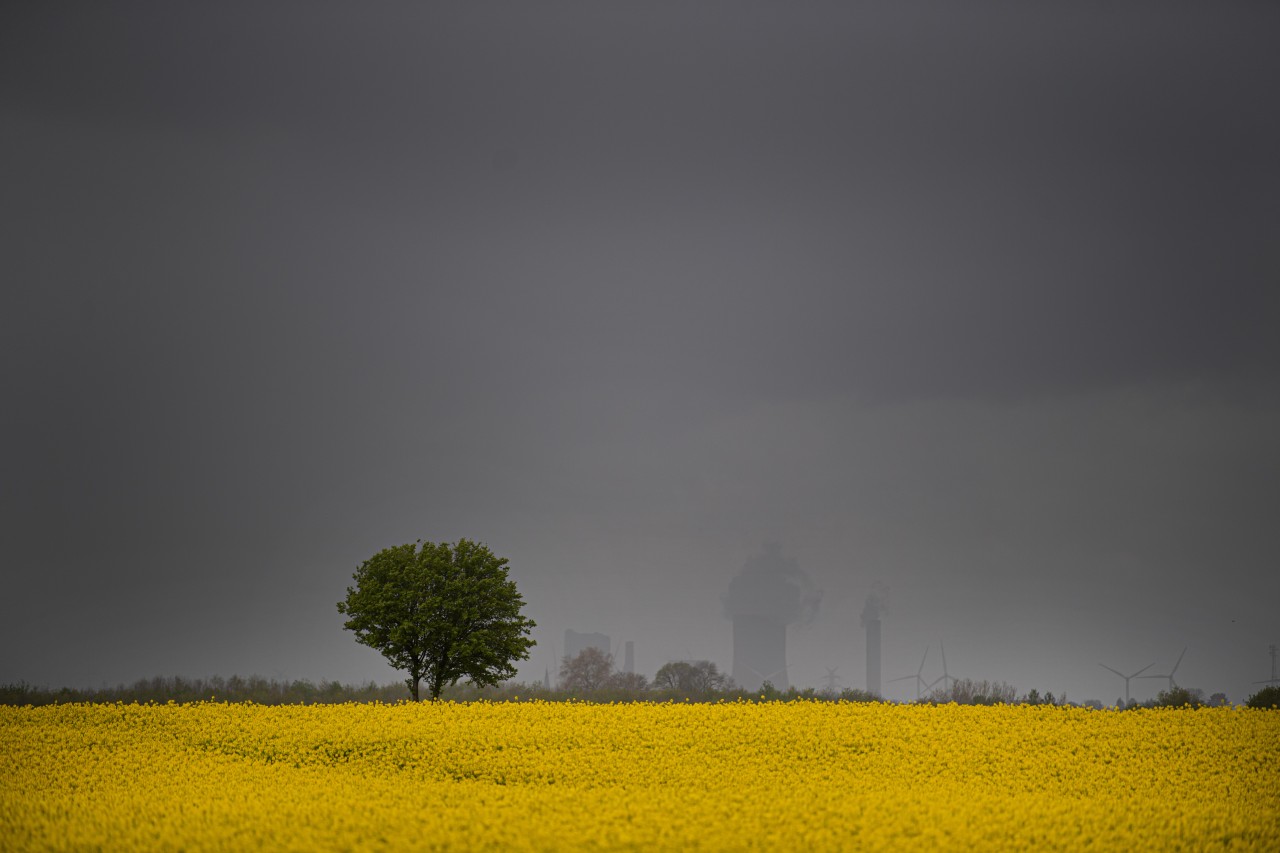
1145	668
922	660
1175	666
1116	671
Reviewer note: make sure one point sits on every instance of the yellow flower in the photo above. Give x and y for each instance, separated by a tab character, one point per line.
539	775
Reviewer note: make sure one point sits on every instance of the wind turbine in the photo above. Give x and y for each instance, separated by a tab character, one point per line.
946	676
1127	677
768	678
1272	680
920	682
1169	675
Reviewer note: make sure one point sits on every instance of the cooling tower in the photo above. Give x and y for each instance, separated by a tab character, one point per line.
759	651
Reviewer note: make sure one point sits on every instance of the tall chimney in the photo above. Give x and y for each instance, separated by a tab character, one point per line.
873	657
871	621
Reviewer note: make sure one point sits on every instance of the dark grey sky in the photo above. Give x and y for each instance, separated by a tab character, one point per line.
975	303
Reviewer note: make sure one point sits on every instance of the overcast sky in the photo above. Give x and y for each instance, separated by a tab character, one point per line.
972	304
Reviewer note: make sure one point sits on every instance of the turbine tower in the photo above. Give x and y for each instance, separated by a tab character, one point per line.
832	679
1127	678
946	676
771	678
920	682
1169	674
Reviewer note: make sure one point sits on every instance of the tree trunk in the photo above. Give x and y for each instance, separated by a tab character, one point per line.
412	681
435	677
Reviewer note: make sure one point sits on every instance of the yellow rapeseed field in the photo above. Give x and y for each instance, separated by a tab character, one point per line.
802	775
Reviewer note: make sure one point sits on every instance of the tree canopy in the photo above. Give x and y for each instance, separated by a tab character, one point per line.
440	613
693	678
590	670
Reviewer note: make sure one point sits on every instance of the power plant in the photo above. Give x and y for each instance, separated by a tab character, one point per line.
770	593
575	643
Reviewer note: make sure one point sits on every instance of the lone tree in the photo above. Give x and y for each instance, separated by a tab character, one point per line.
440	613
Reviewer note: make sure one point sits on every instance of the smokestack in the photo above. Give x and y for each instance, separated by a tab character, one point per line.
871	621
769	594
629	656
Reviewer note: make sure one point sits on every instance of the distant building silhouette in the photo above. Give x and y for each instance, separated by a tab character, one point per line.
767	595
575	643
871	621
759	651
629	657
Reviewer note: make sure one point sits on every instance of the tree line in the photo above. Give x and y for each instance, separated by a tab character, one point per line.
588	679
161	690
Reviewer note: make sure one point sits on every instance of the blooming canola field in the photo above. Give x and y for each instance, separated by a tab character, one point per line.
536	775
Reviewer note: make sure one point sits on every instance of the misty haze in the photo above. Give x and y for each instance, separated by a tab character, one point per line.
815	344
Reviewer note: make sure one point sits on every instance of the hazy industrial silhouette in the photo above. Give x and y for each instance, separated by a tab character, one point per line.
871	621
575	643
767	595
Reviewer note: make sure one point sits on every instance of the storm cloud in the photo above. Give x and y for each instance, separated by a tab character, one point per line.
975	302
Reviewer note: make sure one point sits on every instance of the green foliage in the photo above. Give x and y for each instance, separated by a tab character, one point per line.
690	679
439	612
254	688
1267	697
1034	698
1179	697
769	693
591	674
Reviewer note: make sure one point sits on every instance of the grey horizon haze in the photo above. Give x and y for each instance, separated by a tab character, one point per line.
973	306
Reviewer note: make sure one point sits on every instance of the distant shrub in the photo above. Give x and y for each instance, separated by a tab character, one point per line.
966	691
1267	697
852	694
1034	698
1180	697
255	689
